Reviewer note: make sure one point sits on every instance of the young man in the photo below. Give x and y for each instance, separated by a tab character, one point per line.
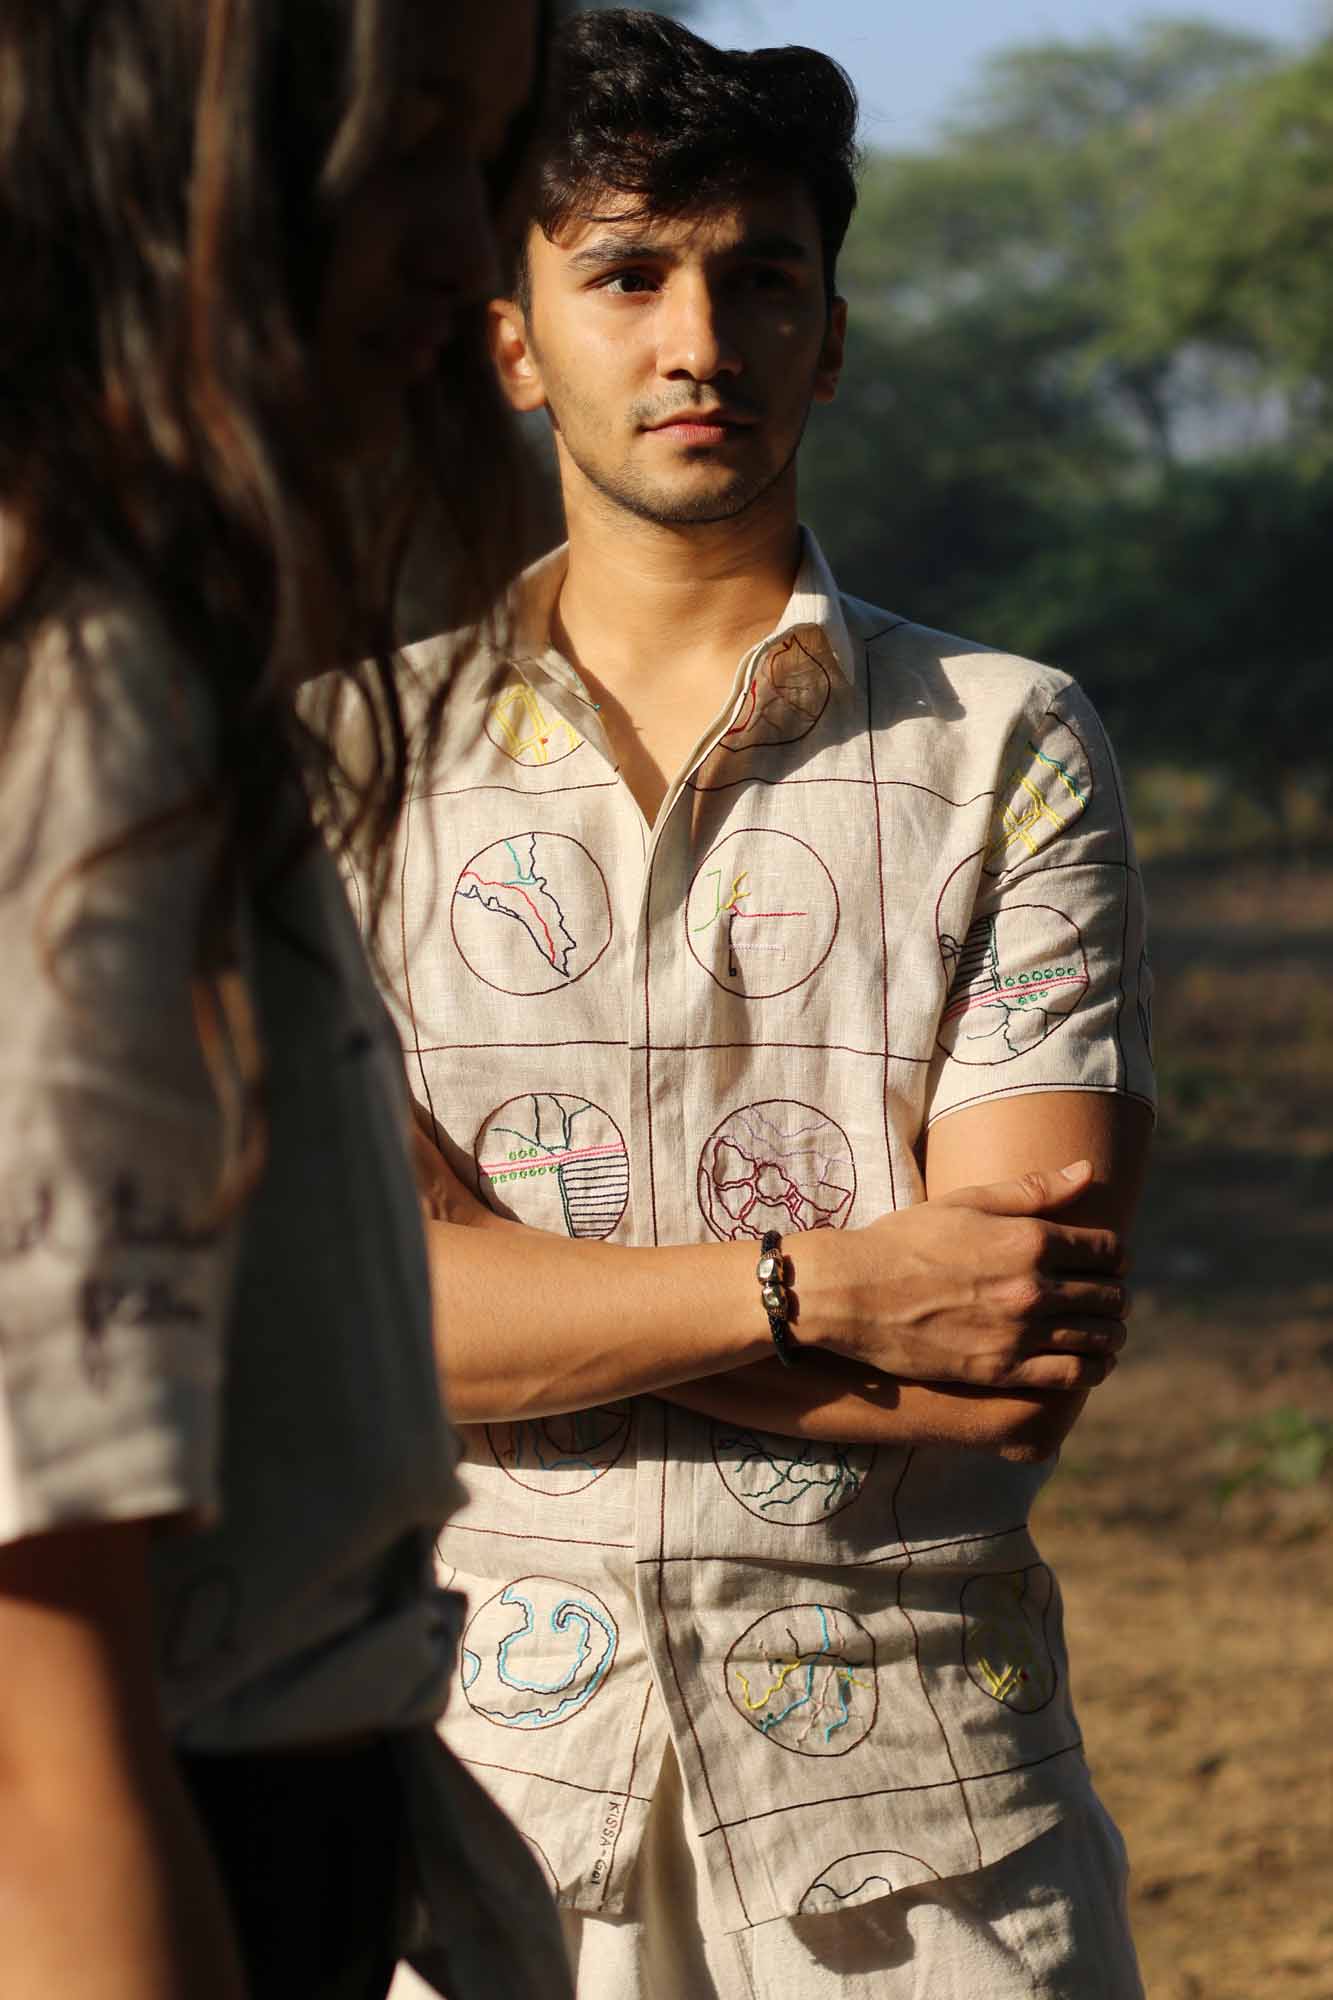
740	916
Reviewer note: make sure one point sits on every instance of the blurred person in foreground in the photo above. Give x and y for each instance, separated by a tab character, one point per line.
742	919
243	242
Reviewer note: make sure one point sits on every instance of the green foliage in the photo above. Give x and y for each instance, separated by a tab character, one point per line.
1287	1448
1087	411
1237	246
1061	94
1196	613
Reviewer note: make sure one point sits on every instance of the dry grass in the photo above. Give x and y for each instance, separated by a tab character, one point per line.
1201	1629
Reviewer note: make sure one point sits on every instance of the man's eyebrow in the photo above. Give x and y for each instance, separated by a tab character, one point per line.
608	250
786	249
618	250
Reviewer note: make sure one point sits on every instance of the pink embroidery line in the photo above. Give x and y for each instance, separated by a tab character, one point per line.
555	1159
1002	993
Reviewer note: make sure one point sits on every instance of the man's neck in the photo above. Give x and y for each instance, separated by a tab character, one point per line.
711	589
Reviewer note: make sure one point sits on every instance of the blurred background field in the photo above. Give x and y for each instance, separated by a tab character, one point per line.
1088	416
1190	1518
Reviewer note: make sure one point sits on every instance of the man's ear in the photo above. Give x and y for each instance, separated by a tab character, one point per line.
829	369
515	362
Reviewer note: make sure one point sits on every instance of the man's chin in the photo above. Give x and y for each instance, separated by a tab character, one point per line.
684	508
700	512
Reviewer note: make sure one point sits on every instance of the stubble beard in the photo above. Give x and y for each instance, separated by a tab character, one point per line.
649	500
634	492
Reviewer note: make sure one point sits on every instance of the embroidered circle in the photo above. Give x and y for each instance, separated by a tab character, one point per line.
536	1653
762	913
1005	1646
531	914
789	1482
1048	787
1012	980
554	1160
804	1677
778	1165
862	1878
520	724
559	1456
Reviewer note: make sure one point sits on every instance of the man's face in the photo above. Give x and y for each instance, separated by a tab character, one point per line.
678	358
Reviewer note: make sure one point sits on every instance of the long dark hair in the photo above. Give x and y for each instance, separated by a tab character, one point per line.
170	175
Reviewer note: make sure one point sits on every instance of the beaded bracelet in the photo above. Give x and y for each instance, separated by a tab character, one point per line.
771	1273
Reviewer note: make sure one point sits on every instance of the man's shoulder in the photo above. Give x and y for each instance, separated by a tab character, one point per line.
453	659
918	668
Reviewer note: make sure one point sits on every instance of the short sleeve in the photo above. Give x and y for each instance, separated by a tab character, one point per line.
113	1282
1042	932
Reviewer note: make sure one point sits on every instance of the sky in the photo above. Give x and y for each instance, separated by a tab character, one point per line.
913	61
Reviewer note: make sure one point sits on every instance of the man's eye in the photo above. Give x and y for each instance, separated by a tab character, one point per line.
629	283
770	278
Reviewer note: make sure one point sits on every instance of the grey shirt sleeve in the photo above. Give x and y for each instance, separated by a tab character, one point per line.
113	1283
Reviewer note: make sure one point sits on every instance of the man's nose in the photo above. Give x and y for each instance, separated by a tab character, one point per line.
694	342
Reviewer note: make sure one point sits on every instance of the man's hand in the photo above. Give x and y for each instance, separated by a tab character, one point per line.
982	1286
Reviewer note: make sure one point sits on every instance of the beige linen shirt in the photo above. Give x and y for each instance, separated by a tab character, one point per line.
895	879
270	1382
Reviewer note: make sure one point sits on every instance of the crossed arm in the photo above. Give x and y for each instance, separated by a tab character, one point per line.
983	1317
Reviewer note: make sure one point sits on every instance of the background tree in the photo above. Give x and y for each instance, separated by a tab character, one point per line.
1087	411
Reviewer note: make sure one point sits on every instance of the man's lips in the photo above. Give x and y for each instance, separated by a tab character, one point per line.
702	426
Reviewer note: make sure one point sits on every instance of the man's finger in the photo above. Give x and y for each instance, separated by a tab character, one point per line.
1072	1299
1078	1336
1060	1371
1034	1193
1091	1251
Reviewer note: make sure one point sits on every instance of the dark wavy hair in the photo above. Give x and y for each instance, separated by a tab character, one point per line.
171	177
643	108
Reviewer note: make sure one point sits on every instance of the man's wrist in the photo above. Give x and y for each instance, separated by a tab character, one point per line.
818	1294
845	1291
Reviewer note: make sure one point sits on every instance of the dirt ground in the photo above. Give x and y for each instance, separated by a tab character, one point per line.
1200	1625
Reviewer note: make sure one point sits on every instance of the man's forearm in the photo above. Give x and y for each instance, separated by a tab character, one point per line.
529	1324
830	1400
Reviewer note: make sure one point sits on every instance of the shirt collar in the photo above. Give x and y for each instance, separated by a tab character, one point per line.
814	609
534	598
